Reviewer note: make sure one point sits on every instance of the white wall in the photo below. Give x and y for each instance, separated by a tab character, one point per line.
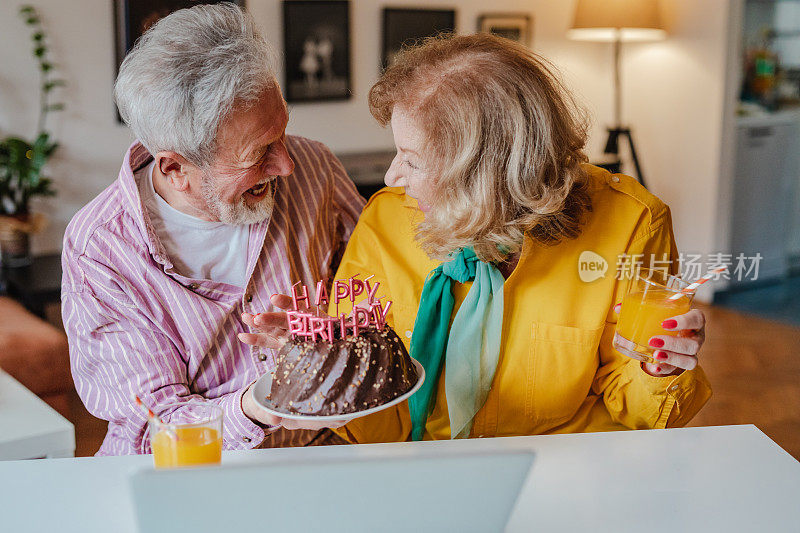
676	102
673	95
92	143
581	62
737	39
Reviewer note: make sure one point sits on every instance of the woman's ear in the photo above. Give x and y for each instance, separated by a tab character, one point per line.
175	168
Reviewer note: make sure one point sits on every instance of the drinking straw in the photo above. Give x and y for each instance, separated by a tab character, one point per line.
152	416
711	273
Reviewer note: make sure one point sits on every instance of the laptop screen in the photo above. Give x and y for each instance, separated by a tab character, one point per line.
431	490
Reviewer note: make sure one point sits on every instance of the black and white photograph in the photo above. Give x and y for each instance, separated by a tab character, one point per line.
316	50
407	26
133	17
514	26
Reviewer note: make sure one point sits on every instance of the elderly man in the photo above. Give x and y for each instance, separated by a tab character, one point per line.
214	210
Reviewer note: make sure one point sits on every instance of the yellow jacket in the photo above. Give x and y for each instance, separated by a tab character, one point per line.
558	372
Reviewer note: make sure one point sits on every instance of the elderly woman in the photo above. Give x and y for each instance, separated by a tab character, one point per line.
477	241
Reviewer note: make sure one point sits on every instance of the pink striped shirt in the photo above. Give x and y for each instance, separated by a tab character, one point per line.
136	326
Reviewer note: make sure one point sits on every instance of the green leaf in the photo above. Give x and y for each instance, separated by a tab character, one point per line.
42	145
38	159
50	149
53	83
17	145
22	163
21	166
41	139
44	185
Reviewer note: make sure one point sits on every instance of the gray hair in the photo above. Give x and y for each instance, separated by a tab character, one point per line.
185	75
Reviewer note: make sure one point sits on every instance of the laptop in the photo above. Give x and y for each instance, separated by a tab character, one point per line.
436	490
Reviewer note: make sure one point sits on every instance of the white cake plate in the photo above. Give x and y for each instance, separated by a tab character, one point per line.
264	384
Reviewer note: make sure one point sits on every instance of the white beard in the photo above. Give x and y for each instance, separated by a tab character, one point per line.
238	213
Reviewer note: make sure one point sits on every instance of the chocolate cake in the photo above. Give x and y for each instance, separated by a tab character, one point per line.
350	374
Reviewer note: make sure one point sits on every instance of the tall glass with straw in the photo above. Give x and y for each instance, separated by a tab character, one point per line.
192	437
653	296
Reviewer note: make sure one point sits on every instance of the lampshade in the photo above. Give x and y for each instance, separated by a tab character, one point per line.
608	20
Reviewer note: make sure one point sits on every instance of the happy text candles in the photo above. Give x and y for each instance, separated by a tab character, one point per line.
303	323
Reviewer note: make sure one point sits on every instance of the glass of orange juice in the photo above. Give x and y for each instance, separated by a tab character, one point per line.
192	437
653	297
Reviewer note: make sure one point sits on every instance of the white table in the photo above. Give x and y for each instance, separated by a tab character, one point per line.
29	428
731	478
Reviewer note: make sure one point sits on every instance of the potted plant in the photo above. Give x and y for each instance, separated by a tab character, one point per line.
22	162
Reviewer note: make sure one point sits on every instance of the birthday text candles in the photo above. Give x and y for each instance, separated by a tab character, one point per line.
370	313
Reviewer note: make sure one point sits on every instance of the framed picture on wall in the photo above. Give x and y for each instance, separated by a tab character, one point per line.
133	17
405	26
316	38
514	26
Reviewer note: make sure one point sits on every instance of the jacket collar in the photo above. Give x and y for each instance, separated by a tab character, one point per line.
136	158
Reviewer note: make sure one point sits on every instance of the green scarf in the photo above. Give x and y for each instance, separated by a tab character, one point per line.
471	348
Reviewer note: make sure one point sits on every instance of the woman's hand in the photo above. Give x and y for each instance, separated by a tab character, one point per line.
673	355
676	354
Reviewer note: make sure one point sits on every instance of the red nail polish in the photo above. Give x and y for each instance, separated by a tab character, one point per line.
660	355
656	342
669	324
658	369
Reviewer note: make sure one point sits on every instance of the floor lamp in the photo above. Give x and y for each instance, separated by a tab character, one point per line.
618	21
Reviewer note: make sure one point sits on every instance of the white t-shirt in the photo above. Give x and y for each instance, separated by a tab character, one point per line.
198	248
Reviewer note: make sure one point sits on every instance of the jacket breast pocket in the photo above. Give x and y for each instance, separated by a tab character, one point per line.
561	367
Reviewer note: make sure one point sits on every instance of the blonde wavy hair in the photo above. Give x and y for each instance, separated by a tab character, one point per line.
503	137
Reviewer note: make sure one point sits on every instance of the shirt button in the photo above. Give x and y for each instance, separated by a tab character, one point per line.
248	298
408	334
673	388
246	439
262	357
193	286
615	179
